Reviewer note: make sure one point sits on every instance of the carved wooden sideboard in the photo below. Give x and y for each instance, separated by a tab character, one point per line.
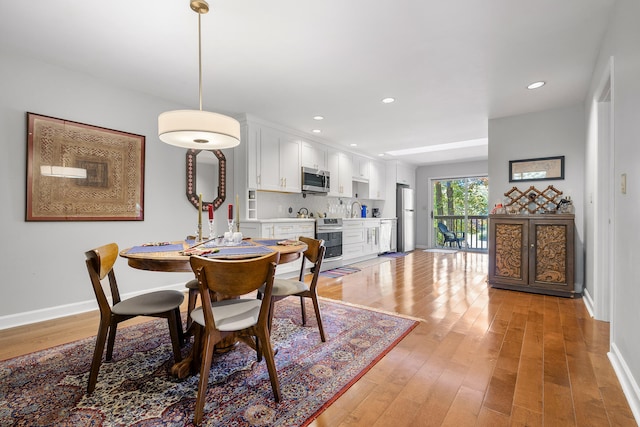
532	253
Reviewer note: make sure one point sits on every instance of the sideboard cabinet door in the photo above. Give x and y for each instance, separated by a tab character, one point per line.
551	254
534	254
509	252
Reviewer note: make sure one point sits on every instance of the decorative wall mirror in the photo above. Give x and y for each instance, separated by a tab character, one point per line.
206	175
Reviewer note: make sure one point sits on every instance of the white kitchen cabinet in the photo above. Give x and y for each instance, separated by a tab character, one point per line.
280	230
360	169
377	180
314	155
252	140
371	245
353	239
279	162
406	174
360	239
341	176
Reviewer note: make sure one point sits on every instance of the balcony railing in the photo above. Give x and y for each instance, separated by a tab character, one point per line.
475	227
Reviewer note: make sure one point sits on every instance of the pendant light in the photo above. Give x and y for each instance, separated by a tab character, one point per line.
197	129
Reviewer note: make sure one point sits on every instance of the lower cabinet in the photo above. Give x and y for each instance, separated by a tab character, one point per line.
360	239
371	237
532	254
352	240
280	230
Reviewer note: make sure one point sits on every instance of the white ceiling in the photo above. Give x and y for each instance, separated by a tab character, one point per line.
451	65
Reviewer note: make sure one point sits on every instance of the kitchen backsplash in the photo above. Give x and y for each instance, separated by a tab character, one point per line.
276	205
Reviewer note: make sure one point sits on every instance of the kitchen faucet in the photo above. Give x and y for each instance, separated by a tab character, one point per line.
355	214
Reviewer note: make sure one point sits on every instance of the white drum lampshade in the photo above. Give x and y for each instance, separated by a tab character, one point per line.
199	130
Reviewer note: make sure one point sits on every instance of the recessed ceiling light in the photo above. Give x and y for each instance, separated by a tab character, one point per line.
353	145
318	117
536	85
388	100
380	154
316	131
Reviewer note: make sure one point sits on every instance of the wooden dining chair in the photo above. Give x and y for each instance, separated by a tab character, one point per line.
192	299
283	288
165	304
223	315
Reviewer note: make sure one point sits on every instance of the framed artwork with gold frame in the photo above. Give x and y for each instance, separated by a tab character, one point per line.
80	172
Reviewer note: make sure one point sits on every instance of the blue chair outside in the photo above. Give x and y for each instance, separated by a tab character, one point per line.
450	236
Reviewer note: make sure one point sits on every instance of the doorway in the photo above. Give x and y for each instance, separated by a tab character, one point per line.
462	205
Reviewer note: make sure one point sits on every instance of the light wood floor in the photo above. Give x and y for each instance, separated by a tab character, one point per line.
481	357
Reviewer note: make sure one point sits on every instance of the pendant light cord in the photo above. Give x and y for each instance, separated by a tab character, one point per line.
200	57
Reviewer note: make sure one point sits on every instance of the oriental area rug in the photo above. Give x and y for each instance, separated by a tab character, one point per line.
136	389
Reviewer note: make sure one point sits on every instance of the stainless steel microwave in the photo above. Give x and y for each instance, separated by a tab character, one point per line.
315	180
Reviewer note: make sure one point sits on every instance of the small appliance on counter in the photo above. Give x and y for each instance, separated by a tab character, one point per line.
375	213
363	211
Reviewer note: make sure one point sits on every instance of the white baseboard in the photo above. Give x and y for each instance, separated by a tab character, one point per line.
629	385
49	313
588	302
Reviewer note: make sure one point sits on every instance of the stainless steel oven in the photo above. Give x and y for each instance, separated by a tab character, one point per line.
330	230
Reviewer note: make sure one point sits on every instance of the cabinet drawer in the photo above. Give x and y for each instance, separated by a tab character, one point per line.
348	225
307	230
353	236
293	231
353	250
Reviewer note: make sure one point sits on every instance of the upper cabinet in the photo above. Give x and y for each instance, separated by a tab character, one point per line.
406	174
377	180
276	158
313	155
340	168
361	168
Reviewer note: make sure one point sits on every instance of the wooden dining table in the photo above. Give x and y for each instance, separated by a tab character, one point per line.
171	257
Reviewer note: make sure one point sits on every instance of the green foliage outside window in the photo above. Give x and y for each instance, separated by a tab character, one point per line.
460	197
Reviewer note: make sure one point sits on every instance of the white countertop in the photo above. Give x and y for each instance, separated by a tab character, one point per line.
307	219
280	220
368	218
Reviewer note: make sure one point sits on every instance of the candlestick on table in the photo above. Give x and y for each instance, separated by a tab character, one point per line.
230	219
199	236
211	233
237	213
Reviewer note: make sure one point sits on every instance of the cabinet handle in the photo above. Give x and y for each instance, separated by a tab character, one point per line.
532	246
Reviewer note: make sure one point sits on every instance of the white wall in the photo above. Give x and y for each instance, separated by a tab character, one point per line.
423	192
559	132
621	44
42	263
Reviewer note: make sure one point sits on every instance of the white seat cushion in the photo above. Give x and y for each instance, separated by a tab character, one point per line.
283	287
151	303
232	314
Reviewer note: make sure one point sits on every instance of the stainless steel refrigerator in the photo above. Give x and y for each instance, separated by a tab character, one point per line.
405	210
